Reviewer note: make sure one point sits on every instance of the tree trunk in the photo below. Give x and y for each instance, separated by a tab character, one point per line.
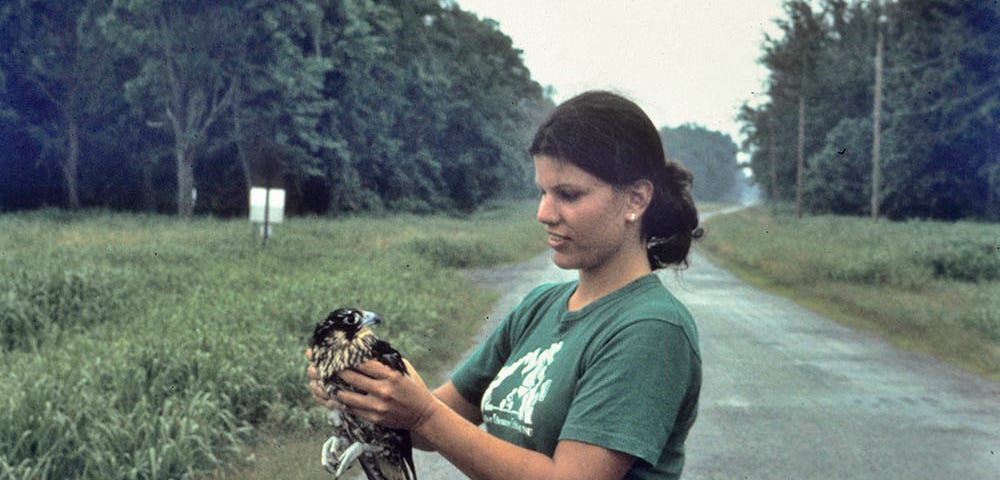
185	182
148	188
240	135
71	164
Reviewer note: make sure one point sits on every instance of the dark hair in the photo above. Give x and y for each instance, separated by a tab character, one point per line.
611	138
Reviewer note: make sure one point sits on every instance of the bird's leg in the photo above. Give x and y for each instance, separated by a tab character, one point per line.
332	453
349	457
333	445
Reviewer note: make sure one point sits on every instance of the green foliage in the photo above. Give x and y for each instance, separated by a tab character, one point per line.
710	156
149	348
457	252
415	106
922	257
36	306
940	109
840	173
973	260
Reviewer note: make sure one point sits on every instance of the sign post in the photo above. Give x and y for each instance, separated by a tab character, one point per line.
267	206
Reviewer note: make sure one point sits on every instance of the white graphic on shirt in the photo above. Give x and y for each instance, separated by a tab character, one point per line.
516	408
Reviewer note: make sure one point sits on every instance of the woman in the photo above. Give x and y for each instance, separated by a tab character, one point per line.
596	378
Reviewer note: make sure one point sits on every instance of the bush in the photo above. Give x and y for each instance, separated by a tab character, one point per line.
967	260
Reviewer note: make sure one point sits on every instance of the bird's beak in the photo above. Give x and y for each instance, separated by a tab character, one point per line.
368	319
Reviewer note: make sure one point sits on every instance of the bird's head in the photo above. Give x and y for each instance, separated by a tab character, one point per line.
344	324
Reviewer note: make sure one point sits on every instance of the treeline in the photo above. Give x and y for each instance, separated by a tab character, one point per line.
939	118
711	158
348	104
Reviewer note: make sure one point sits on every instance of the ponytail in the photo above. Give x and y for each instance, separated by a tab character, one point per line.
670	223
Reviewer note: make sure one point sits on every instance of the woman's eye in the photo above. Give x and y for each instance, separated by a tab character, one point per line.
569	196
561	195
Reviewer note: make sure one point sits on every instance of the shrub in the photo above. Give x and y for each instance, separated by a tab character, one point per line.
966	260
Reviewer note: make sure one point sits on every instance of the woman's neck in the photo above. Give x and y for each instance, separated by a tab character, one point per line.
598	282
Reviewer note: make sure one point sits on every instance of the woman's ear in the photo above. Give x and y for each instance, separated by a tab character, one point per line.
640	194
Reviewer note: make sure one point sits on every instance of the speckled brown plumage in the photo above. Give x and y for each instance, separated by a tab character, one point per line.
341	341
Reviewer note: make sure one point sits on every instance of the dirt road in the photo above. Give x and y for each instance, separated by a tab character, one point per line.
790	394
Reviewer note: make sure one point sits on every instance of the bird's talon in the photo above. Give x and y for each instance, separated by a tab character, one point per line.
349	456
328	446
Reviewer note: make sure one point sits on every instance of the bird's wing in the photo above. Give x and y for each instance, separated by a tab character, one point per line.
387	466
389	356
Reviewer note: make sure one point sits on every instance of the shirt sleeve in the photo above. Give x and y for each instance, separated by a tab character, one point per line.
632	389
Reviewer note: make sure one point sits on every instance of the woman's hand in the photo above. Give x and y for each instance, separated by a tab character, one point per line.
392	399
318	392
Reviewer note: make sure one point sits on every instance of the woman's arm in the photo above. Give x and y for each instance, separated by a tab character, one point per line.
448	395
401	401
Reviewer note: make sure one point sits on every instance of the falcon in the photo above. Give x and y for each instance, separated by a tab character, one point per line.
341	341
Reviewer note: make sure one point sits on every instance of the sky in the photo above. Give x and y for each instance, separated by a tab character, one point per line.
682	61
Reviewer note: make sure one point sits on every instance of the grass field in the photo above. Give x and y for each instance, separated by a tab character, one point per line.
931	287
150	347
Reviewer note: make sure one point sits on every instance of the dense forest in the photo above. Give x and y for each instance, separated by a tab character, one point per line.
348	104
885	108
178	106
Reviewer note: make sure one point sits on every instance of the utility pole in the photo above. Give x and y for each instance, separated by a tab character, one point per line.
877	115
773	163
802	154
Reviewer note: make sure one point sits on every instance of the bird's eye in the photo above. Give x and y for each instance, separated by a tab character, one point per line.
352	320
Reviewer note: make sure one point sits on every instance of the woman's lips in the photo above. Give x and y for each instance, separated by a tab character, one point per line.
556	241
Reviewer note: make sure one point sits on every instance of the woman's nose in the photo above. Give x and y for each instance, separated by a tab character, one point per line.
546	211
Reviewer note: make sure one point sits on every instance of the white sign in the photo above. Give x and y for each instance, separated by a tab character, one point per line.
274	198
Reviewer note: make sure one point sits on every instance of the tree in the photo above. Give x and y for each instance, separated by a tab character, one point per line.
50	51
399	104
710	156
840	182
941	106
794	61
183	48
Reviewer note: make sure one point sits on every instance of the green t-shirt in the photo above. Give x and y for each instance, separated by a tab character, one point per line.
622	373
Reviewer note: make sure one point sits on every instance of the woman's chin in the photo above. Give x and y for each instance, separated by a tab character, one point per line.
564	262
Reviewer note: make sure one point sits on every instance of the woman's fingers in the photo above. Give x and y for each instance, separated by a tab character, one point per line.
361	380
320	396
375	369
379	393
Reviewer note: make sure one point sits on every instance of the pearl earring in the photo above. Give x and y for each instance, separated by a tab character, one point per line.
631	217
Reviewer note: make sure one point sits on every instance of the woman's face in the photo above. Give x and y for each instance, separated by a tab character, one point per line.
585	217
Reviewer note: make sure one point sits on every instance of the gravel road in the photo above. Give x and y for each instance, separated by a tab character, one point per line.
790	394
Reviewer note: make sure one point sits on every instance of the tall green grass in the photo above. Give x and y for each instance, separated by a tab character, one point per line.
933	286
149	347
